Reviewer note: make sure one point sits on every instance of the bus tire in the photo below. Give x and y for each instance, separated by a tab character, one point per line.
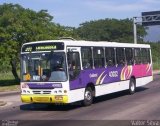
132	86
88	97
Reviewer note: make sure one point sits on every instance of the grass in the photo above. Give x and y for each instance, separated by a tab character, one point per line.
156	66
6	76
10	88
7	82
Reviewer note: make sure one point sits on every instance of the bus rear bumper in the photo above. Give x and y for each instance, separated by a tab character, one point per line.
44	98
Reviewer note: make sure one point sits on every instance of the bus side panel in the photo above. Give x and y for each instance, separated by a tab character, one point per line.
110	75
96	76
143	81
112	79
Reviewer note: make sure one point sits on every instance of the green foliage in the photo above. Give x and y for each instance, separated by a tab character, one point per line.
155	52
109	30
6	76
19	25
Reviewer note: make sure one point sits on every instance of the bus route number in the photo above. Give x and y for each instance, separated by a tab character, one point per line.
113	73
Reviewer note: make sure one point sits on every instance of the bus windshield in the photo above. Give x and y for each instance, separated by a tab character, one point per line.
43	67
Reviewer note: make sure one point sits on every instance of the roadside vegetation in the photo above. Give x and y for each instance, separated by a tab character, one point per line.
8	82
19	25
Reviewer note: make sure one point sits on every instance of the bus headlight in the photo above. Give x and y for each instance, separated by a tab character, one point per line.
65	91
24	85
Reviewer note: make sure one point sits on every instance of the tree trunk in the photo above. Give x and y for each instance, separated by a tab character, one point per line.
14	70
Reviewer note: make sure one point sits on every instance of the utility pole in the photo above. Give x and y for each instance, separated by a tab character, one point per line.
135	30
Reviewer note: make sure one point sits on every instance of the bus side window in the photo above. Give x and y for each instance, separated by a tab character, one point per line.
120	56
73	65
98	54
110	56
148	56
145	54
86	54
137	55
129	56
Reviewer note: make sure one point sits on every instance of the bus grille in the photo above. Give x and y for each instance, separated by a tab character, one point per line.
41	92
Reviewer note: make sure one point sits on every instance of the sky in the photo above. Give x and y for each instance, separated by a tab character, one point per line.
74	12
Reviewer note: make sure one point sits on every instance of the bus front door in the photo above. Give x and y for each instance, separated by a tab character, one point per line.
74	66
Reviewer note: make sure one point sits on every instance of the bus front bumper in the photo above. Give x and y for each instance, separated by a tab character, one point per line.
44	98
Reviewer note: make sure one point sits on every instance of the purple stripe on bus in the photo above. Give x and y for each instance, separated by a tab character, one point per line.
44	85
110	75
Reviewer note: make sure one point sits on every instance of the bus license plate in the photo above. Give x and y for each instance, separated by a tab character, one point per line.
41	99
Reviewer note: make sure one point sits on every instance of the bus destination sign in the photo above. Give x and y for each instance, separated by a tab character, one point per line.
43	47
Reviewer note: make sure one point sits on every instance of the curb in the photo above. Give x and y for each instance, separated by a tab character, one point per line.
2	103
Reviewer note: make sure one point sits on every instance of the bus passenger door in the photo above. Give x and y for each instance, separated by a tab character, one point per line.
74	66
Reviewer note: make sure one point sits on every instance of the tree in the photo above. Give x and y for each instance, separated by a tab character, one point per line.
19	25
155	51
109	30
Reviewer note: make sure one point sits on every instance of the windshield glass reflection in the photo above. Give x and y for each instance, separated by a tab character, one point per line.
44	67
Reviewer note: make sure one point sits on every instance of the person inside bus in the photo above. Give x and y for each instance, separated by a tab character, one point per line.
71	69
121	62
58	73
86	65
131	61
109	63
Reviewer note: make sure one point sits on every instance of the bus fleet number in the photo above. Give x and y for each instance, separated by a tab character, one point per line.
113	73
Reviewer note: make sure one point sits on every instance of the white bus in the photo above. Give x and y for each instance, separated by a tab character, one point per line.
66	71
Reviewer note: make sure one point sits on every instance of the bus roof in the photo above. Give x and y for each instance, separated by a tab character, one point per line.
93	43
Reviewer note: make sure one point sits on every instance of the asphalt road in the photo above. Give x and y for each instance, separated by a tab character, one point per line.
144	105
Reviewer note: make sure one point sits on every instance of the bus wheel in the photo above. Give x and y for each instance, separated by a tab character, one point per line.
88	97
132	86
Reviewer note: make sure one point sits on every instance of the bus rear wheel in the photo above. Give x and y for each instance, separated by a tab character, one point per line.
88	96
132	86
